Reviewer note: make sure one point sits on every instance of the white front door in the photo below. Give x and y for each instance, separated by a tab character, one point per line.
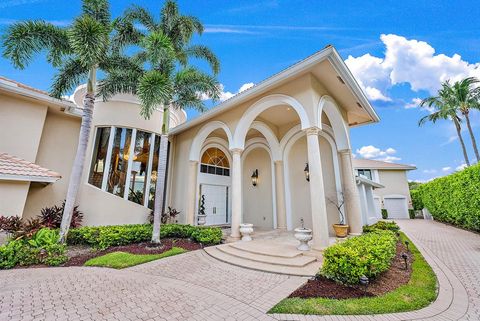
216	203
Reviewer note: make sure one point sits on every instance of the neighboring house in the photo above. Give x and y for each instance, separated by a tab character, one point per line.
395	194
291	130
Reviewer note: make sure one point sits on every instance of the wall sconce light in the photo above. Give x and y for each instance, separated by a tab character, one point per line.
307	172
255	177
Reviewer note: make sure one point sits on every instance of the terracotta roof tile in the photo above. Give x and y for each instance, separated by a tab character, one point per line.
17	168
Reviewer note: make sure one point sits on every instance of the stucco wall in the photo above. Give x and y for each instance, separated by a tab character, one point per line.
258	200
395	182
21	123
56	151
12	197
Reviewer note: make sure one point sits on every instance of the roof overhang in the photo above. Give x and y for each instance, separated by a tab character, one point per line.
366	181
329	53
12	88
27	178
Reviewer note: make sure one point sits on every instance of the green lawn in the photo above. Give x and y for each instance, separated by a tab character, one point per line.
419	292
121	260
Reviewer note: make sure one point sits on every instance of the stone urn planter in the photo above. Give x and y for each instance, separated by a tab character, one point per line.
341	230
202	219
246	229
303	235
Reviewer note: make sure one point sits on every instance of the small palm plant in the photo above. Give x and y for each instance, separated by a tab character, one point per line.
444	108
159	73
77	51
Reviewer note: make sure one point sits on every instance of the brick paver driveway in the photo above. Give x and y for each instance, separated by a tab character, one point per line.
194	286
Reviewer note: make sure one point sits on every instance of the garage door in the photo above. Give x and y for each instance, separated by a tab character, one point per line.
396	207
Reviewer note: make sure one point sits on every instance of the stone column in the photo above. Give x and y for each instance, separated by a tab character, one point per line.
280	195
191	192
236	192
352	199
317	191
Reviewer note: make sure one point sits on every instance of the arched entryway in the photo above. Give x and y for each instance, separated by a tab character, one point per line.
258	194
214	184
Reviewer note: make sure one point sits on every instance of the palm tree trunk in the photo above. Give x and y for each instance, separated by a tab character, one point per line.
161	175
472	137
78	164
462	143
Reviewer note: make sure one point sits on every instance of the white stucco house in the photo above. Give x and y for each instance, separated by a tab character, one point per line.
394	196
292	130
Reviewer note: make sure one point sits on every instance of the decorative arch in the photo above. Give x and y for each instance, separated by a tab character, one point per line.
272	140
261	105
202	135
259	142
286	144
328	105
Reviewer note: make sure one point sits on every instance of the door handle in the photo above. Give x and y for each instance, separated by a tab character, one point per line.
214	210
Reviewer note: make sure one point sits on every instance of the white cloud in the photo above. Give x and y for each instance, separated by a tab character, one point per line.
408	61
224	95
461	167
372	152
429	171
446	169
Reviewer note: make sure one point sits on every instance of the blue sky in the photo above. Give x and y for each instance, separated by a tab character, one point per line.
400	51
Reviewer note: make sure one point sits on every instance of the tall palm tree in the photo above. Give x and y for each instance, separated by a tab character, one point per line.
160	74
442	104
465	95
77	51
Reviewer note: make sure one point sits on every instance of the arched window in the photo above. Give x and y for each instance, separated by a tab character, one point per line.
215	162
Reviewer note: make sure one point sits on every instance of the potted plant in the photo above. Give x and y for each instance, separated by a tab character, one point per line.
201	216
341	229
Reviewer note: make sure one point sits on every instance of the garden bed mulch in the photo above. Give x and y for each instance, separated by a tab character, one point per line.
388	281
80	254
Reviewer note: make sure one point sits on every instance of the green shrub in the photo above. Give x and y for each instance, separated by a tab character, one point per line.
207	235
411	213
455	198
382	225
42	248
369	254
384	213
417	202
102	237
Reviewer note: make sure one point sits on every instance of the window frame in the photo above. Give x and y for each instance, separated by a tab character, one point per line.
107	166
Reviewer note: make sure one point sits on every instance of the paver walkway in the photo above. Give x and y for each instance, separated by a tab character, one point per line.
194	286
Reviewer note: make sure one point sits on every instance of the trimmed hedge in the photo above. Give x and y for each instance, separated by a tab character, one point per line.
382	225
369	254
103	237
384	213
455	198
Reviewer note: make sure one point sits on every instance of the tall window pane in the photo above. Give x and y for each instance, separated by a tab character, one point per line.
138	176
153	178
119	161
99	156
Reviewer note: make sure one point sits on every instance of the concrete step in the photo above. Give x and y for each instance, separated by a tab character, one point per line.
258	247
308	270
295	261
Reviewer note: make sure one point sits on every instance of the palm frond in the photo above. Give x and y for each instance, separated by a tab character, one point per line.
158	47
70	75
89	40
154	89
125	35
23	40
118	82
203	52
98	10
137	14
